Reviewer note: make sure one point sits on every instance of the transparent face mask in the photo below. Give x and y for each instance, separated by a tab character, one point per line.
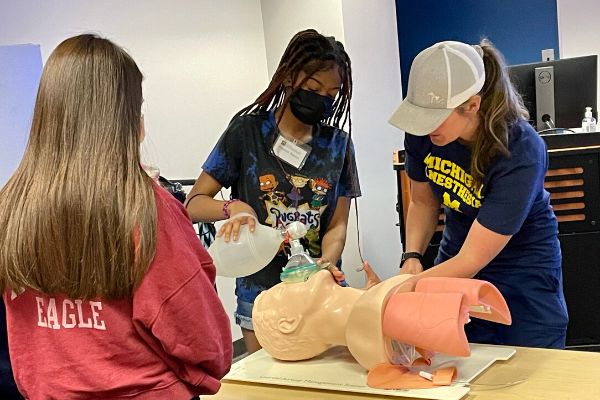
299	274
300	265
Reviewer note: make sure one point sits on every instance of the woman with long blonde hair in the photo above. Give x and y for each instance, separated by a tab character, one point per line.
108	292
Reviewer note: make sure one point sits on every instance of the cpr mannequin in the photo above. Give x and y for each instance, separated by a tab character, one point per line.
298	321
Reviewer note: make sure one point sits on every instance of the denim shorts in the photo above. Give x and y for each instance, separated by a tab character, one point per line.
246	292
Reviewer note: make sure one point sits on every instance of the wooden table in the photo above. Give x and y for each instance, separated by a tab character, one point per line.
549	374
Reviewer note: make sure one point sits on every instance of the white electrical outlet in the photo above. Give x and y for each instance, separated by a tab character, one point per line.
548	55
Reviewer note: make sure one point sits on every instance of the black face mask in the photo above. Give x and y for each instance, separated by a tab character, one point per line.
310	107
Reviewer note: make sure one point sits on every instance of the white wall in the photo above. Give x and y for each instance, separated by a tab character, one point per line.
20	70
578	31
372	43
283	18
202	60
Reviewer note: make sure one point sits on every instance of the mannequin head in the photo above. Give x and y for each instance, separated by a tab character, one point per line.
297	321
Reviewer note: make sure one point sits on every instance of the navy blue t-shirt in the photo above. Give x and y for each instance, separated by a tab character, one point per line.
511	201
243	160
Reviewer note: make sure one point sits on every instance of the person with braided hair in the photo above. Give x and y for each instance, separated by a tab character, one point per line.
277	154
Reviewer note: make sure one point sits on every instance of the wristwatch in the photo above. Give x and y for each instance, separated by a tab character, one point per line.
410	254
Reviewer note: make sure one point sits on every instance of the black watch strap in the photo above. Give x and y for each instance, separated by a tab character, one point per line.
410	254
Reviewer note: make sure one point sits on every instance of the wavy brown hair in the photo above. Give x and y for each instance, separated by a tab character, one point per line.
501	106
78	216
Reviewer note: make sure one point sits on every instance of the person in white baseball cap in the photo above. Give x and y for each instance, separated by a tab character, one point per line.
442	77
469	149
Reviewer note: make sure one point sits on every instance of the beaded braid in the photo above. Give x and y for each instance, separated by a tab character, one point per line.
309	51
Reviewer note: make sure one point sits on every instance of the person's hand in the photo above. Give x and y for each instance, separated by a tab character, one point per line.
231	227
372	278
338	275
411	266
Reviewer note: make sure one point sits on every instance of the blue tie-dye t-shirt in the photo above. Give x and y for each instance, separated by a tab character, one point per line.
243	160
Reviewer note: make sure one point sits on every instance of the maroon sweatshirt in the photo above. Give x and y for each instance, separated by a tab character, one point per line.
171	340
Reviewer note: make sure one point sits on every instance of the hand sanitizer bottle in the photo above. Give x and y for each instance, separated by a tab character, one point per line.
588	124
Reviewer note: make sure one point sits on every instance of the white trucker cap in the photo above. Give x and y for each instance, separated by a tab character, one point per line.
442	77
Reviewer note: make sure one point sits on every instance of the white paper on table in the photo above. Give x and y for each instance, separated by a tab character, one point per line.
337	370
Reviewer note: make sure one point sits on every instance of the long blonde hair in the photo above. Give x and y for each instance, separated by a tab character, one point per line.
78	216
501	106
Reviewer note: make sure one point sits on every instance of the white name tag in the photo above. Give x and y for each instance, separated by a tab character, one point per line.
290	152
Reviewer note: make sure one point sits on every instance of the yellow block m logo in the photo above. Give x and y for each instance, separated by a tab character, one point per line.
453	204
